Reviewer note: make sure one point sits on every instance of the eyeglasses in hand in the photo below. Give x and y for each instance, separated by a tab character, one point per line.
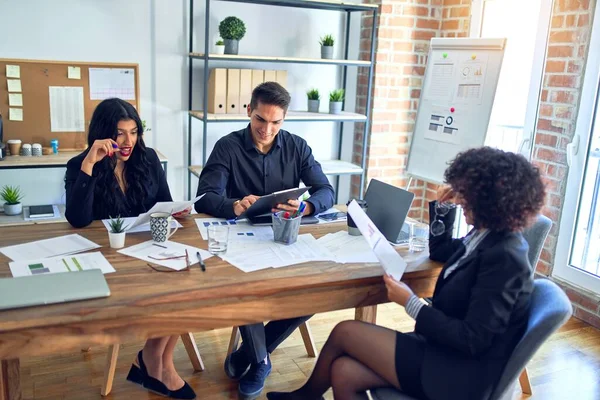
441	210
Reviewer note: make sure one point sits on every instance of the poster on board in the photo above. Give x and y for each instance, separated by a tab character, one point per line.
445	125
471	79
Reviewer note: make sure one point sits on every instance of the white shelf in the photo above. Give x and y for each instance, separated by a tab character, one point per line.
290	116
334	5
293	60
330	167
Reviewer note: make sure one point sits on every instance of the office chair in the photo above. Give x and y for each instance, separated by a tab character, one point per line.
550	309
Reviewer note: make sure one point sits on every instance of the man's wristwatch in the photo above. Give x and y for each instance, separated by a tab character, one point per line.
235	203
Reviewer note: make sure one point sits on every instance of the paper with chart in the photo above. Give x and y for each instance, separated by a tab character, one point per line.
112	82
168	254
441	81
238	230
72	263
255	255
391	261
128	221
170	207
66	109
471	78
58	246
445	125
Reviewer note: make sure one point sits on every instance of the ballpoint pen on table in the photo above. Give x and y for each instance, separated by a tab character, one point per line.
202	265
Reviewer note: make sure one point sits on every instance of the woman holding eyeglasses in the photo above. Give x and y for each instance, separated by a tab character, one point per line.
119	175
480	305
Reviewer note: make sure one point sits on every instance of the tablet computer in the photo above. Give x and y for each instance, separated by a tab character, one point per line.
265	204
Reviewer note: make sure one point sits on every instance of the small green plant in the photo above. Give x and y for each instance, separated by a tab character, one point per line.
232	28
336	95
116	224
11	195
220	43
144	126
326	40
313	94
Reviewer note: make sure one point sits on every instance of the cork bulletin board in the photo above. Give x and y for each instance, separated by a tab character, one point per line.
38	79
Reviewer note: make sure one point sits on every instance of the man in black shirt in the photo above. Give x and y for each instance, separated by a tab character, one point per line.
244	165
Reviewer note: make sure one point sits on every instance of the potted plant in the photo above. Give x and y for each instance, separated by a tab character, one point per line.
336	99
219	47
12	200
327	46
116	235
145	126
313	100
232	30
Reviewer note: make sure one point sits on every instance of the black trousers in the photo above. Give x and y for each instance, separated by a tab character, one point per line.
260	339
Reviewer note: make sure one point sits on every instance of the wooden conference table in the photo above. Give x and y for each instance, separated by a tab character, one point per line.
145	303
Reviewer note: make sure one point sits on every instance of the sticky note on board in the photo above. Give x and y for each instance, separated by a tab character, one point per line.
14	85
15	100
15	114
13	71
74	72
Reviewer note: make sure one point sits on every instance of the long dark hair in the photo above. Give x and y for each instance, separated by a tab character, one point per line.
107	197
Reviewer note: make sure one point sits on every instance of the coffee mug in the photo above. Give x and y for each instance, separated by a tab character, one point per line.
160	226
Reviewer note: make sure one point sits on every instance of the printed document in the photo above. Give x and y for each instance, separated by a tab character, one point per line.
72	263
168	254
58	246
391	261
171	207
239	231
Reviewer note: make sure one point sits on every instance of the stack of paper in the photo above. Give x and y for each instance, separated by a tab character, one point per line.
72	263
168	254
347	248
58	246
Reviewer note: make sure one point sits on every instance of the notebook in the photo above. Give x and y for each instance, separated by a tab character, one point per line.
41	211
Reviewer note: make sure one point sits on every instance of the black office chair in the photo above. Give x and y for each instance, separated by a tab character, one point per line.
550	309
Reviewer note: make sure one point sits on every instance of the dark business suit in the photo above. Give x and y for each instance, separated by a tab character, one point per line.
478	313
82	206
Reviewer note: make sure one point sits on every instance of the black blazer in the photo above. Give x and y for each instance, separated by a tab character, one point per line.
80	187
478	313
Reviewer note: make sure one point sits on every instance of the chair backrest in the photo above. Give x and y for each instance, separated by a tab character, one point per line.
550	309
535	235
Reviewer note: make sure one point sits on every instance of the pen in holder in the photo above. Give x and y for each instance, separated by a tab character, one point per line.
286	227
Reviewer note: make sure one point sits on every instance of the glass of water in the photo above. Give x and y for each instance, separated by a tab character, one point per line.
218	236
419	237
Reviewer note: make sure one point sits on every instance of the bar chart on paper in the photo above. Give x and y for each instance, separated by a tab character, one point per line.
72	263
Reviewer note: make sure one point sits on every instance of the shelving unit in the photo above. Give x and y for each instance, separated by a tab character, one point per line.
330	167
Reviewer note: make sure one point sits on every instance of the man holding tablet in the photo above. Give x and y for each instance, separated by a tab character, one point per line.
243	166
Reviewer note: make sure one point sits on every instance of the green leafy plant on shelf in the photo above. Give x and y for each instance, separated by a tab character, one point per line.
117	224
326	40
336	95
313	94
232	28
11	194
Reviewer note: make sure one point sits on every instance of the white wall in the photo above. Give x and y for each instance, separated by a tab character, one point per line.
154	33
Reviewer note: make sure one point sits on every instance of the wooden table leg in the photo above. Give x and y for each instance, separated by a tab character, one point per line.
524	381
10	380
366	314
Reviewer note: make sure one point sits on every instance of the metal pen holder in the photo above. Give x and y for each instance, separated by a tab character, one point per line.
285	230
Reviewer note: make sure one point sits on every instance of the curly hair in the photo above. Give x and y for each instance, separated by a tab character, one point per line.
502	190
107	193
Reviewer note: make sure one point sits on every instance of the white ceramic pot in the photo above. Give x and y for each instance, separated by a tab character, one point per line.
13	209
117	240
313	106
327	52
335	107
219	49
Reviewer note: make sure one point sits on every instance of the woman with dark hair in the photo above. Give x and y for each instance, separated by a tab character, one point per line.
480	305
119	176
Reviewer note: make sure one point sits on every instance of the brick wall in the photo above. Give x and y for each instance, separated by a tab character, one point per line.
404	29
563	76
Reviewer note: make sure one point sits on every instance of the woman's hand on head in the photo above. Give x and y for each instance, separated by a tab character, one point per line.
445	194
398	292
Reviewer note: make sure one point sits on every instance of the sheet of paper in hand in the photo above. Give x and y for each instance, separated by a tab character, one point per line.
171	207
392	263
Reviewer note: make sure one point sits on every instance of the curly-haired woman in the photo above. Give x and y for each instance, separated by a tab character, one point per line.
480	303
119	175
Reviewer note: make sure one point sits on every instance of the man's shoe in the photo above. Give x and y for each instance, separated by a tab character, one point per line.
253	383
236	364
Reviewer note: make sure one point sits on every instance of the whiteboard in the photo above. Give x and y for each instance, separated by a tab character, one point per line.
455	104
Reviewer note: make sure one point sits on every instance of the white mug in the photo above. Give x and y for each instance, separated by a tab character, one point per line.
160	226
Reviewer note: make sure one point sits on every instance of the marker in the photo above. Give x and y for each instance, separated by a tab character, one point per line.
201	262
286	215
115	146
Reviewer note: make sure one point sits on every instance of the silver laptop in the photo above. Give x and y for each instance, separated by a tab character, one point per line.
388	206
35	290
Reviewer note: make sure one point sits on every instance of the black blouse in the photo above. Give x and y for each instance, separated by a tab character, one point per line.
80	187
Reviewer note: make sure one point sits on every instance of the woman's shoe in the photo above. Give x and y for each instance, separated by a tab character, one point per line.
139	374
136	374
184	393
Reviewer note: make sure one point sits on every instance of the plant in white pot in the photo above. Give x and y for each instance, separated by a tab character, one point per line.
12	200
326	43
336	99
116	234
232	30
314	100
219	47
